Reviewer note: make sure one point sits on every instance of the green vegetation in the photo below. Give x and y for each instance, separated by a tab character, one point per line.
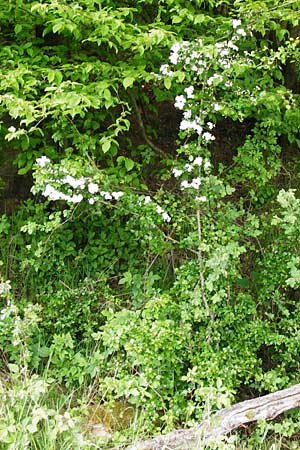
150	269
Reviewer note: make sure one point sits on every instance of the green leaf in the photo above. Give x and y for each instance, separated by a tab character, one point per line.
107	94
106	146
167	83
18	28
180	76
176	19
128	82
129	164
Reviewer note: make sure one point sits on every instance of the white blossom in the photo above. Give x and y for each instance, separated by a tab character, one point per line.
210	125
236	23
177	172
42	161
166	217
93	188
81	182
189	92
191	125
201	198
188	167
187	114
106	195
185	184
224	52
214	77
74	182
241	32
179	101
196	183
165	69
52	193
5	287
159	209
117	195
175	47
198	161
232	45
76	198
208	136
147	200
91	201
225	63
185	124
174	57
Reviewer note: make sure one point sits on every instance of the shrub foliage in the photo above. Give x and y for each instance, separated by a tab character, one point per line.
160	237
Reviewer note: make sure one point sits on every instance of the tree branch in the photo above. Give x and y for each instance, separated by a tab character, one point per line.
142	128
223	422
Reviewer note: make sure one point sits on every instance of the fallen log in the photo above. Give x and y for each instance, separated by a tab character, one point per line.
226	420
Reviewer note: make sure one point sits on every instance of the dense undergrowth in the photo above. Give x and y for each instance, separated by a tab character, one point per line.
151	275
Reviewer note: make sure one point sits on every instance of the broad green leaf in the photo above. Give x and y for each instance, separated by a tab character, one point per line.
106	145
167	83
129	164
128	82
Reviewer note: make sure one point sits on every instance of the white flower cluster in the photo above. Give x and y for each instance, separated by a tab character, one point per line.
166	70
180	102
195	182
43	161
191	125
194	126
5	287
174	56
78	189
216	78
236	25
208	65
165	216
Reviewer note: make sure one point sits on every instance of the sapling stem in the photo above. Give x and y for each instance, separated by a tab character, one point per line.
200	261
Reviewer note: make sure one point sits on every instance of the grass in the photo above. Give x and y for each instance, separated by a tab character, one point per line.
36	415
